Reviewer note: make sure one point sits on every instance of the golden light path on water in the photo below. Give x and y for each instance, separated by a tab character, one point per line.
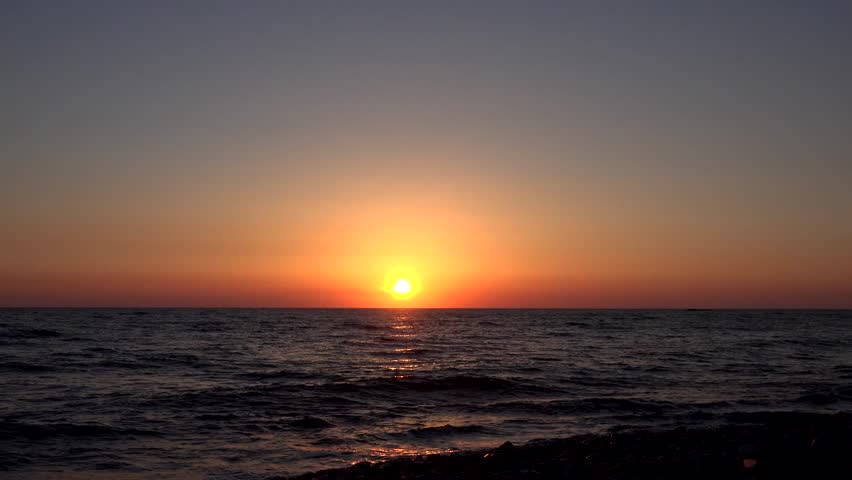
403	360
402	364
406	452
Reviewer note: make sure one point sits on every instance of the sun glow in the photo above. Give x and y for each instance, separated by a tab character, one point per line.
402	286
402	283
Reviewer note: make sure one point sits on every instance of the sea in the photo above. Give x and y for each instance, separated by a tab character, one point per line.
271	393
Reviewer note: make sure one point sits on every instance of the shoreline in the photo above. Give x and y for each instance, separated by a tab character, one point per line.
764	445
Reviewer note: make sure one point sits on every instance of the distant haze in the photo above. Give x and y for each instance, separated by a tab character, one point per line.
515	154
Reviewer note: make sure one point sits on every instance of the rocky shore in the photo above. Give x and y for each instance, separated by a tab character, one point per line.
747	446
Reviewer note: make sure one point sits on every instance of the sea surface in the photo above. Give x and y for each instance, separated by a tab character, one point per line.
251	394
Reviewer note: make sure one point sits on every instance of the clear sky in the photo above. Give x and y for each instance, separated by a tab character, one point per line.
596	154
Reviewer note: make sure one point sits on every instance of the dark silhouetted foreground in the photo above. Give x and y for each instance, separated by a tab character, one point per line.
752	446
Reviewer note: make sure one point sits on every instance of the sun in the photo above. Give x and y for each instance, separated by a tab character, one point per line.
402	283
402	286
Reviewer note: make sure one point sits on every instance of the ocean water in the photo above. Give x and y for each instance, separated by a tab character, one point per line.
247	394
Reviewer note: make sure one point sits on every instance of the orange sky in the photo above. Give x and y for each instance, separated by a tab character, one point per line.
502	239
530	158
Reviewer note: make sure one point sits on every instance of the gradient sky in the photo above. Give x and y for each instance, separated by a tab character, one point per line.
557	154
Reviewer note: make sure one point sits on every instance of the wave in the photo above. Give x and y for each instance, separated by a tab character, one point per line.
311	423
172	358
397	338
403	351
222	398
834	395
124	364
447	430
278	374
449	383
10	460
217	417
35	431
584	405
284	398
24	367
594	405
364	326
33	333
546	359
817	398
843	371
101	350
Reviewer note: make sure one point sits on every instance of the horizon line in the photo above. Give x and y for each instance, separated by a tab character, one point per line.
167	307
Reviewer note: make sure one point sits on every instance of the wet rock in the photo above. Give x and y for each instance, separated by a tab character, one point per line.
507	446
759	446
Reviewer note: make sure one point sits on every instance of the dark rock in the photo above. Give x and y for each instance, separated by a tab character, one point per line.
758	446
507	446
747	450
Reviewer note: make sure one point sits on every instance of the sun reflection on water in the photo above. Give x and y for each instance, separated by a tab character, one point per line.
407	452
402	359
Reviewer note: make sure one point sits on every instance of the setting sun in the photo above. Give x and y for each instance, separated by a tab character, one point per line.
402	286
402	283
